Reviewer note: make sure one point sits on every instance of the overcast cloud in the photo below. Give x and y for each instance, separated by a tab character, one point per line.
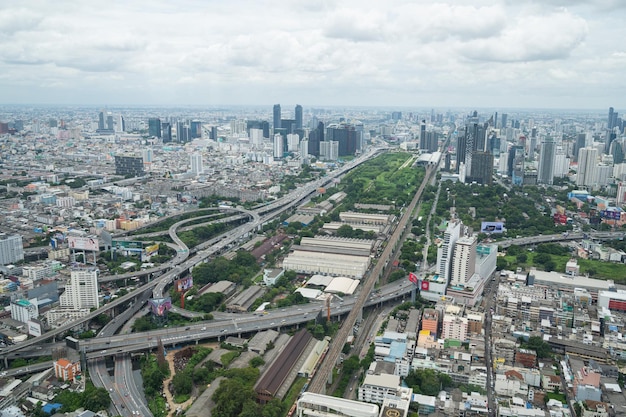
483	53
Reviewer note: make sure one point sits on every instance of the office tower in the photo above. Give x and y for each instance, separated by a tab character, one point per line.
515	164
423	135
532	146
348	138
129	165
214	133
609	140
110	126
195	128
482	168
287	126
494	144
183	133
581	142
432	141
316	136
445	252
277	115
298	117
587	164
278	146
618	150
195	161
11	249
610	120
396	116
495	120
121	124
82	290
263	125
166	132
154	127
545	173
503	118
101	120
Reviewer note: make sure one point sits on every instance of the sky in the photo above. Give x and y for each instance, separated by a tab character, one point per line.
404	53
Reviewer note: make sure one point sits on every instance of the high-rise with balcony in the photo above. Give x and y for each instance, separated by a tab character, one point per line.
11	249
464	260
445	252
587	167
195	162
81	292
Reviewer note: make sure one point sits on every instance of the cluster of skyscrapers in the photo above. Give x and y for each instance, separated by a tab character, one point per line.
534	155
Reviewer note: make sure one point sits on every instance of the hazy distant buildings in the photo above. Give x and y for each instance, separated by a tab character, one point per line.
105	124
11	249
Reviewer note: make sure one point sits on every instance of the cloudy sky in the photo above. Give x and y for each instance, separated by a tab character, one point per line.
482	53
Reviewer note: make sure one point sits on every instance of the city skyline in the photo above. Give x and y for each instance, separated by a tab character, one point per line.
458	53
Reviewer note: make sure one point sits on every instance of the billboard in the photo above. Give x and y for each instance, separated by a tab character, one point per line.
151	250
83	243
34	328
183	284
492	227
127	244
160	306
424	285
413	278
611	214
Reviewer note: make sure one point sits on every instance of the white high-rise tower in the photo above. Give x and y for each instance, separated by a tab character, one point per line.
196	163
446	251
587	166
82	290
464	260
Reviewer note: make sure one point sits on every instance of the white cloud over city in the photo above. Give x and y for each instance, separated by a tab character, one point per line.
553	53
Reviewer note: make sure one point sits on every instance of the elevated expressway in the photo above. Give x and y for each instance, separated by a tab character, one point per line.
182	262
